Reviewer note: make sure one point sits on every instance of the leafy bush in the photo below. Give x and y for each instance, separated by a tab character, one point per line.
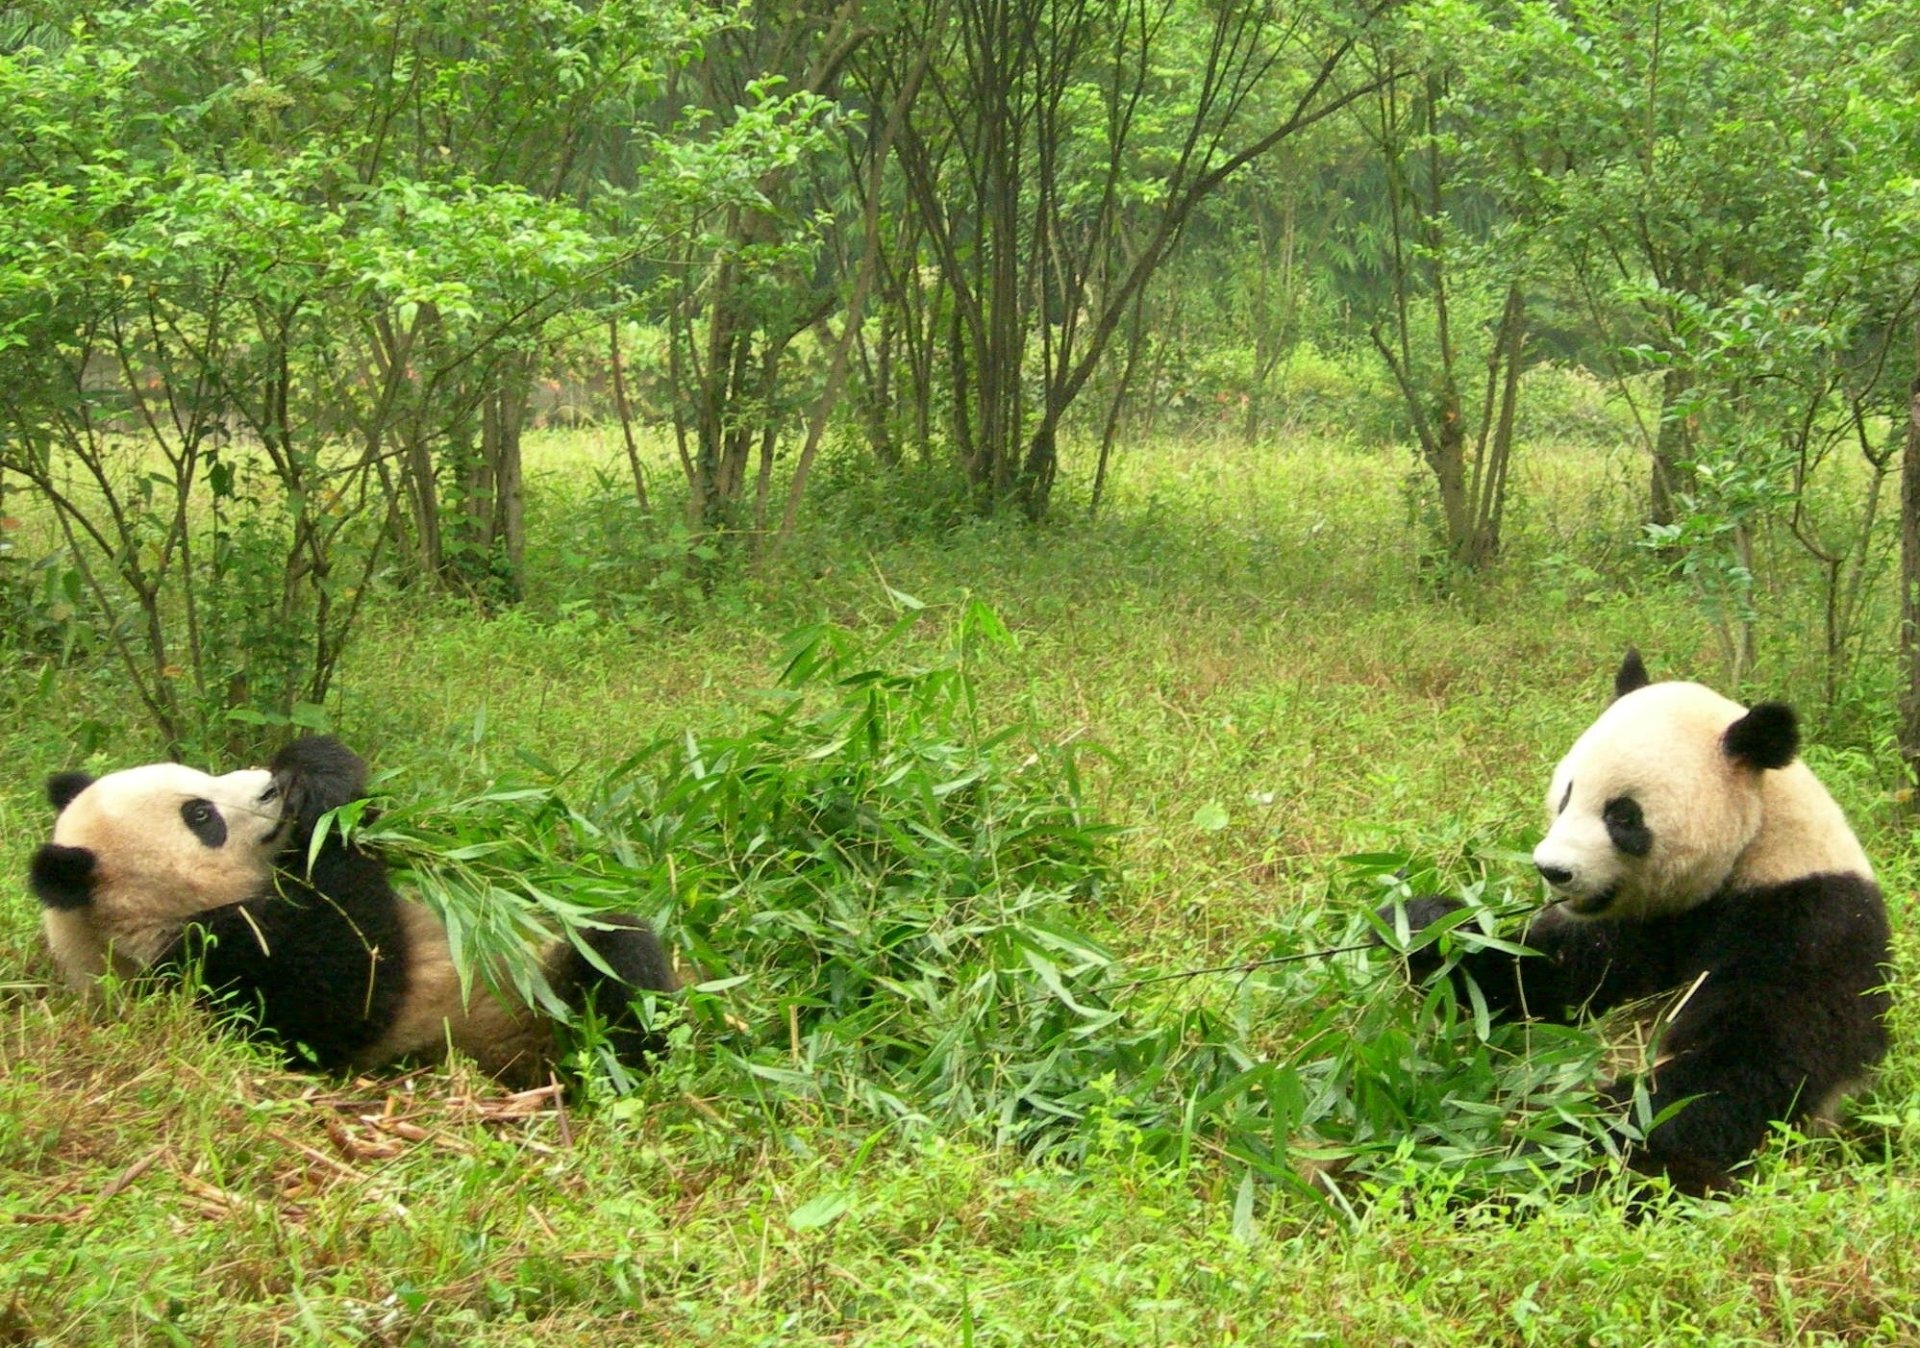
42	606
1570	405
1339	394
592	549
893	910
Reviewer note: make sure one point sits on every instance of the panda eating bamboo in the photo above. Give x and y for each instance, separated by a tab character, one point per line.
1691	853
162	869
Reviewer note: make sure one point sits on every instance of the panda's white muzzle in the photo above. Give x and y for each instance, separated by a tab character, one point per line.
1580	864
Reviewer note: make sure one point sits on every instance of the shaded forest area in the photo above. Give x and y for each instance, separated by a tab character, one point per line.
282	286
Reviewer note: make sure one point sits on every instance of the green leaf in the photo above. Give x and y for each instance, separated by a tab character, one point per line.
1244	1228
821	1211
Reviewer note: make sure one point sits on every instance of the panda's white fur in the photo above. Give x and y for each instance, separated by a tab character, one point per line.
162	867
153	872
1691	853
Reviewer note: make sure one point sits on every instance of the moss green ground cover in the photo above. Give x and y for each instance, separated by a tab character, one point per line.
1276	681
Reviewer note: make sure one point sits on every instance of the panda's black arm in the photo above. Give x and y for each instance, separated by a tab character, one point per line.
1577	968
317	773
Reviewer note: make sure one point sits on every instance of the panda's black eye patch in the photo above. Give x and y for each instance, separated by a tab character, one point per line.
1627	826
204	821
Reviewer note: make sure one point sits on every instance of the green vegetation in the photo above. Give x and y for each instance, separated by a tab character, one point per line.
1008	531
1245	665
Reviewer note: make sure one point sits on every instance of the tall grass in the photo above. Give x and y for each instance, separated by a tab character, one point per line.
930	869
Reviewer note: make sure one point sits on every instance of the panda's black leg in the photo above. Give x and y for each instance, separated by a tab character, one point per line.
1692	1159
629	947
1728	1091
1736	1058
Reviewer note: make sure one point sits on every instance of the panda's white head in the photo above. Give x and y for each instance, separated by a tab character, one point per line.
138	851
1675	793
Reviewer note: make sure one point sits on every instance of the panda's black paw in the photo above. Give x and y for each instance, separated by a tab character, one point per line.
1422	912
317	773
629	947
634	953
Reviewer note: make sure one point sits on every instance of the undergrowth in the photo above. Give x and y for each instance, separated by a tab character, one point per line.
895	912
1022	1010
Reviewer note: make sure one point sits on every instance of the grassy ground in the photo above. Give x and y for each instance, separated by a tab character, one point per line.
1253	637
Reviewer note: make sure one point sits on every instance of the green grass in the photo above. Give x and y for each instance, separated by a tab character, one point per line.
1278	681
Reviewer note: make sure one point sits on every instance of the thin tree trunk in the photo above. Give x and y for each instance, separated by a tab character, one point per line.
1670	450
625	412
1496	452
1135	336
508	405
1910	573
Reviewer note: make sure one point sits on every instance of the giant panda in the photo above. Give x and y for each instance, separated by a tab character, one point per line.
161	870
1692	857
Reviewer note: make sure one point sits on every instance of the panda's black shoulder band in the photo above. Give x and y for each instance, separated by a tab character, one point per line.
1768	736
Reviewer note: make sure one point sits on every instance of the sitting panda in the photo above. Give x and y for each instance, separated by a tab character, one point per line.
1690	853
161	869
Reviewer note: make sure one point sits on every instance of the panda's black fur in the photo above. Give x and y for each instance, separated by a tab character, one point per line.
307	958
1775	970
325	957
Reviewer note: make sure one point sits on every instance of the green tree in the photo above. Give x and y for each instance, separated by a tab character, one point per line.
1723	187
272	280
1052	166
1674	152
743	289
1455	277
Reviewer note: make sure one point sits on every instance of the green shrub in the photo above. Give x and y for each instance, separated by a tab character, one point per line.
1344	394
893	912
1570	405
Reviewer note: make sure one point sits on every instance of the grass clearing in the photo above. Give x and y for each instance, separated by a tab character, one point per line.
1278	683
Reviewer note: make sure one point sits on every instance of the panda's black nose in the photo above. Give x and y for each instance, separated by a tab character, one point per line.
1553	875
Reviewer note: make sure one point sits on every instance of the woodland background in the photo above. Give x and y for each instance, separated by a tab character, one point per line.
1006	528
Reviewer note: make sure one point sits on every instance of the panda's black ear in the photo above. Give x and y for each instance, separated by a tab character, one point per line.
318	773
1632	674
62	877
1766	737
62	787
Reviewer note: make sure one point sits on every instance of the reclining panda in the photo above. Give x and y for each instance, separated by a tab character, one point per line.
161	870
1690	853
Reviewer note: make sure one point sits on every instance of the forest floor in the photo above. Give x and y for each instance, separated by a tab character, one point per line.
1277	680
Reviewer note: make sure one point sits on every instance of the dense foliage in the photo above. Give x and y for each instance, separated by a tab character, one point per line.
284	284
894	911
